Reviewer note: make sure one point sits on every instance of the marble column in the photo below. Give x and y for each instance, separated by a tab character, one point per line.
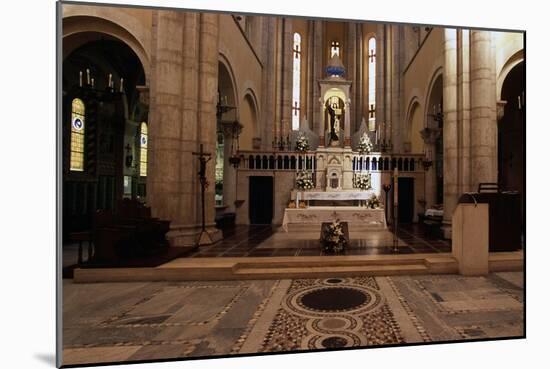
450	131
483	109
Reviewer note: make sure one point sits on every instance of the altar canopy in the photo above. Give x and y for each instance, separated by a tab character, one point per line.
356	217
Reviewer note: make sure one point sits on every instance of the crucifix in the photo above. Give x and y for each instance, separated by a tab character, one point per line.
204	157
372	55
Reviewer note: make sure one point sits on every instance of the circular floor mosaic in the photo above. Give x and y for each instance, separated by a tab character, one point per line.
333	299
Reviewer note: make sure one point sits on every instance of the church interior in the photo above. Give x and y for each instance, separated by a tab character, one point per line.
235	184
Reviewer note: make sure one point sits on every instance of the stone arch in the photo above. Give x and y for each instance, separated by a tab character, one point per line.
414	123
227	76
437	77
80	29
253	100
512	61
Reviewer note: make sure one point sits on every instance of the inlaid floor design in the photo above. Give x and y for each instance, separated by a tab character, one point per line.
241	241
112	322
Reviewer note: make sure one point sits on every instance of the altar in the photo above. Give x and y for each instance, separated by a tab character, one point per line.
358	218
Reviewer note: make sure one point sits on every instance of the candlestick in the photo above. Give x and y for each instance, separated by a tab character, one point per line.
87	76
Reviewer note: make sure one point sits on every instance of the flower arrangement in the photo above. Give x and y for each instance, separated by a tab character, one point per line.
304	180
365	144
373	202
302	144
333	239
362	181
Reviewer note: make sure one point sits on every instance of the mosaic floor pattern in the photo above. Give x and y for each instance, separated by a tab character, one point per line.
111	322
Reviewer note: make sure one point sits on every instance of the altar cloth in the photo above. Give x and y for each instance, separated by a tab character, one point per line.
354	215
329	195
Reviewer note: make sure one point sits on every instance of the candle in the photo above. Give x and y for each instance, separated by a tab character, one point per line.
121	84
92	82
80	79
110	80
87	76
519	102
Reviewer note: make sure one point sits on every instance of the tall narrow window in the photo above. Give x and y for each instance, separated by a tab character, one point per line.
372	83
143	140
77	135
334	48
297	52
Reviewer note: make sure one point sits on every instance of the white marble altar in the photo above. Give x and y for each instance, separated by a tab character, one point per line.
355	216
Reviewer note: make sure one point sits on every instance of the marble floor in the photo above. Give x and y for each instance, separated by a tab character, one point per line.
270	240
112	322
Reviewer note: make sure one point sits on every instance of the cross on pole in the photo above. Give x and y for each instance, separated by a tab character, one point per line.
204	157
371	111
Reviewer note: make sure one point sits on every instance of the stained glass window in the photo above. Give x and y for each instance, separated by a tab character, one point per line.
372	83
143	140
77	135
334	48
297	53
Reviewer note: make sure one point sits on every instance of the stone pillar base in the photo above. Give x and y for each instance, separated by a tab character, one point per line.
185	236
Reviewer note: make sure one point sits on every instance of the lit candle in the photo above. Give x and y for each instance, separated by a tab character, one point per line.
110	80
121	84
80	79
87	76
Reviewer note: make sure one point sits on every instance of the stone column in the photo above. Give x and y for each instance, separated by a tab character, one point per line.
450	131
358	76
483	107
310	80
380	68
268	81
317	74
350	57
165	142
464	111
208	82
279	77
288	41
396	121
388	74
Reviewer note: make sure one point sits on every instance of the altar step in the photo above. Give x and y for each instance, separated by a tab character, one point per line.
243	268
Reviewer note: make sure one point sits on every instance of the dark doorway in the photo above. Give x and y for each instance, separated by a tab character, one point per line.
260	196
406	200
511	136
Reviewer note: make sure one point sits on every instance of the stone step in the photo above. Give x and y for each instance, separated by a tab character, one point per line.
326	272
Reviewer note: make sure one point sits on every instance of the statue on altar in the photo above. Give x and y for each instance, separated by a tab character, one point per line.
334	124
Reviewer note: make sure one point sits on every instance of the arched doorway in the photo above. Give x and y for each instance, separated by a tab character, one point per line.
104	76
511	133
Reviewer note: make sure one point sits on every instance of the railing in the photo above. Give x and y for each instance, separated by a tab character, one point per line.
292	161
